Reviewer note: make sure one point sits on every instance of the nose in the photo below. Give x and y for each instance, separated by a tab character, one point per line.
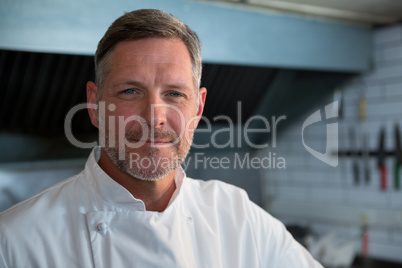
154	111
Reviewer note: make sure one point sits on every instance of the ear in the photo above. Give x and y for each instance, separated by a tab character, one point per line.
202	95
92	93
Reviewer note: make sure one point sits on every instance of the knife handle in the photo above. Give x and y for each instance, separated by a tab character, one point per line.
367	175
383	171
397	184
365	242
356	175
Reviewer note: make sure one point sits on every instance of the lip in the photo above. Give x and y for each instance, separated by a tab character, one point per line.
153	142
157	141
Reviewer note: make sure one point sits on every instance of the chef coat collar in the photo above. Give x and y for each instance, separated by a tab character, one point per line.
115	194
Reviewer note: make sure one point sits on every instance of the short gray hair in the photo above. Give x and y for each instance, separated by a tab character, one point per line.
146	23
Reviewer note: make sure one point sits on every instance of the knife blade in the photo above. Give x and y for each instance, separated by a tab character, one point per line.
353	149
398	157
366	159
381	161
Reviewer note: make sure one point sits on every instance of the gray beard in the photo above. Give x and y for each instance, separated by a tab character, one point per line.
155	171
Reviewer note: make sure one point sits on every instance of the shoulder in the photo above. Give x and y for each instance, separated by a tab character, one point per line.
49	201
26	225
43	224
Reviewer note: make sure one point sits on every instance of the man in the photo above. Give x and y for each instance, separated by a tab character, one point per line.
133	205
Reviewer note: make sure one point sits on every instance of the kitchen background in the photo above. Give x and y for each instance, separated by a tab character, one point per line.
328	198
353	57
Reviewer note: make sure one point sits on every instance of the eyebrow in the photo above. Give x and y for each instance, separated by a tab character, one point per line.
129	83
178	86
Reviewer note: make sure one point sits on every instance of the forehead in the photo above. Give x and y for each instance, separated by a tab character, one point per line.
152	50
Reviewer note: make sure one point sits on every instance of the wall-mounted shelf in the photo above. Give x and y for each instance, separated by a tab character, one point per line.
362	153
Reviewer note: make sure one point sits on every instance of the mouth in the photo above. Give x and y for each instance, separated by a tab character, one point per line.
158	141
157	138
151	142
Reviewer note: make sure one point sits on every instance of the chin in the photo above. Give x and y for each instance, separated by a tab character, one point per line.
151	174
148	164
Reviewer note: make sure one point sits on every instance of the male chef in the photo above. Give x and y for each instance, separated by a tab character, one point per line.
132	205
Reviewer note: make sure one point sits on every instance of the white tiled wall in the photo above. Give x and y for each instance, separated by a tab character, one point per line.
307	180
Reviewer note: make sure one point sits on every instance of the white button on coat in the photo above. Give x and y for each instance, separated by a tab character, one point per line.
102	227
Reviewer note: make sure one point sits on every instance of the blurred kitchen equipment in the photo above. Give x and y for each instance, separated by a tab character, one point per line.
381	160
366	165
365	241
331	252
365	151
353	149
398	156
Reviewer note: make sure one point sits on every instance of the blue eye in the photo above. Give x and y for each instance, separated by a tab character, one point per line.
174	94
129	91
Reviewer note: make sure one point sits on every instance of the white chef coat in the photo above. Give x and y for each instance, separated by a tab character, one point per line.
89	220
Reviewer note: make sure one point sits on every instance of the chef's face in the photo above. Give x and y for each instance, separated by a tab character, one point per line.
151	107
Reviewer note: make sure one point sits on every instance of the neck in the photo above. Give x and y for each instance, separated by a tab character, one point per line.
155	194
